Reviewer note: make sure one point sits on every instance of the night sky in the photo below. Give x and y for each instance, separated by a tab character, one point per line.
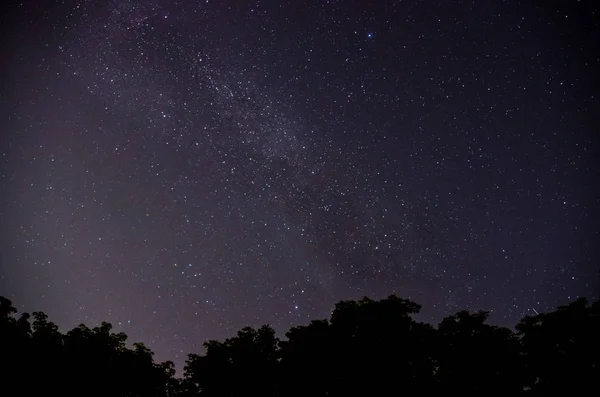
184	168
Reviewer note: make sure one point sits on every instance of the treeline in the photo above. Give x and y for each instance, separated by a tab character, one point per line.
367	348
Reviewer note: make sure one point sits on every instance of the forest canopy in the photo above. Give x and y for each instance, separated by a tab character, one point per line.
367	347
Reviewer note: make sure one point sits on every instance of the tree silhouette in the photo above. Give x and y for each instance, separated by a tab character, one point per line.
379	340
368	347
562	349
245	363
307	360
474	357
14	346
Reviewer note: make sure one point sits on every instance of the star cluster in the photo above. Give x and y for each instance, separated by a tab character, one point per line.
184	168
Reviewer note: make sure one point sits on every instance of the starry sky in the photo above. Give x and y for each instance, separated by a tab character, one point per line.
185	168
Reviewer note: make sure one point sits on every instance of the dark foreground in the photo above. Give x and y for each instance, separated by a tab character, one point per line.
367	348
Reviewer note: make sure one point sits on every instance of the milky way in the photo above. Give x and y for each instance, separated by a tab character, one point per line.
183	169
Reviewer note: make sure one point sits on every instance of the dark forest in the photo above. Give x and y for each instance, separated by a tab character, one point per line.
367	347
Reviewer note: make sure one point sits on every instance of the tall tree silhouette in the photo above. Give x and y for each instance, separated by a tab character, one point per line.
14	343
562	349
308	361
474	357
244	364
379	343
